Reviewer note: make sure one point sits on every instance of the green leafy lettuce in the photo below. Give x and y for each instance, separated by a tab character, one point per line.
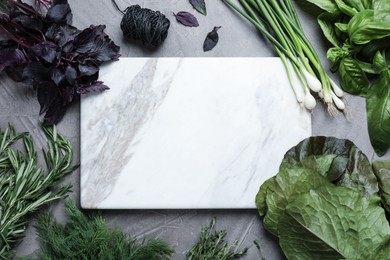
324	202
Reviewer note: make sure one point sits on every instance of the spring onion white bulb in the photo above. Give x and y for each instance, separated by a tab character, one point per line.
338	102
313	83
309	102
327	97
321	95
337	90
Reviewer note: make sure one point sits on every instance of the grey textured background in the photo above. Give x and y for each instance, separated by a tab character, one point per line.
237	39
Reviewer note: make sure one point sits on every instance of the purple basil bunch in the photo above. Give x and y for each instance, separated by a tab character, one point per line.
45	51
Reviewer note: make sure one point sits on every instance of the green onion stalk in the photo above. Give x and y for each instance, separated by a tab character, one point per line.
278	21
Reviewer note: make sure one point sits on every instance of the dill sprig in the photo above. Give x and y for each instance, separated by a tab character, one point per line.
89	237
212	246
24	186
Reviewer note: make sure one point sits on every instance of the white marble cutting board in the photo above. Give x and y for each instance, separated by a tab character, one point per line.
186	132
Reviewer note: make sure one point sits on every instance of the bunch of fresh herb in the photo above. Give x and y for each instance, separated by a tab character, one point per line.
88	237
212	246
25	187
279	22
45	51
325	202
360	34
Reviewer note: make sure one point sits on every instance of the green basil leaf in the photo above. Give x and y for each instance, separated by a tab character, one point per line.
378	113
326	5
382	172
358	5
333	222
326	22
369	25
379	61
367	67
353	78
381	5
345	8
342	27
335	55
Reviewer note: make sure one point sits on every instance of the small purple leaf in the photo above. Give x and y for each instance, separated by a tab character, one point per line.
199	5
97	86
211	39
60	12
186	19
45	50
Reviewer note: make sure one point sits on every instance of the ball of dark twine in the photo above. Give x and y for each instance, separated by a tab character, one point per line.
148	26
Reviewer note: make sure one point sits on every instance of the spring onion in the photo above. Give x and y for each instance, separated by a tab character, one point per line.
278	21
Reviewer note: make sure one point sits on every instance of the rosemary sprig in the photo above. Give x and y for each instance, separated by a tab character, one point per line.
88	237
212	246
24	186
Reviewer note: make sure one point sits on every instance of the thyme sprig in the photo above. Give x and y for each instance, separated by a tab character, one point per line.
212	246
25	186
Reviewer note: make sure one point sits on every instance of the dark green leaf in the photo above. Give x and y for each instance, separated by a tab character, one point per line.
326	22
380	62
199	5
353	78
285	187
367	67
326	5
358	5
345	8
333	222
369	25
382	172
378	113
339	160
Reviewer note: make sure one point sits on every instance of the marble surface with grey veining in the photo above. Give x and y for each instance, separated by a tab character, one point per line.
176	133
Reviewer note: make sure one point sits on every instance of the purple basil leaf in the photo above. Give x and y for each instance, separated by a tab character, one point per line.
105	50
67	95
60	12
85	40
199	5
31	23
211	39
57	76
186	19
15	73
97	86
70	74
45	50
46	94
9	56
36	73
55	112
88	69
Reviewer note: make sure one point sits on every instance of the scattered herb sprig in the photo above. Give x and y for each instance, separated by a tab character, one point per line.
45	51
25	187
360	34
212	246
89	237
279	22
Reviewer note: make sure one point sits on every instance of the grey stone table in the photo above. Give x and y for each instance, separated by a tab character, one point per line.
237	39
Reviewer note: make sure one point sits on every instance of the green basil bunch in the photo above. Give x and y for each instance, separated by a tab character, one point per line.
359	31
